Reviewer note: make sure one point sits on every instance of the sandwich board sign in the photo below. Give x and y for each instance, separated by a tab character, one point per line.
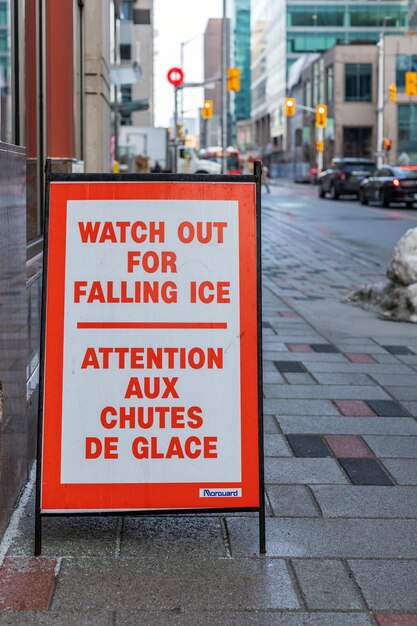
151	374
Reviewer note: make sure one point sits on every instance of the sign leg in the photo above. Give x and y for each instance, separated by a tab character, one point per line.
38	533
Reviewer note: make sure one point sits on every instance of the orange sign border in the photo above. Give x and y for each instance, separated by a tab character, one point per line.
58	497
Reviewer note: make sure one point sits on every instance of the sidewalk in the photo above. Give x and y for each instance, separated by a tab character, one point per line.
341	477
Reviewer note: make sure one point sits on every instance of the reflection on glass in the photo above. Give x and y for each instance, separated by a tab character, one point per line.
5	73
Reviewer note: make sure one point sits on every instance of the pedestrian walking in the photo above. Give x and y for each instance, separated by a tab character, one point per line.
265	178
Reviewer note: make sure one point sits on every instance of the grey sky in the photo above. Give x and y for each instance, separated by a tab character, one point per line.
175	22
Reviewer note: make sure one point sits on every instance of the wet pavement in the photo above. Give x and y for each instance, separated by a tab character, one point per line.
340	402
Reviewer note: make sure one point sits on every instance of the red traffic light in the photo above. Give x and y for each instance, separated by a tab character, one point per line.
175	76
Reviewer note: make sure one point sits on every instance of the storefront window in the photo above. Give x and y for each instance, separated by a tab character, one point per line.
358	82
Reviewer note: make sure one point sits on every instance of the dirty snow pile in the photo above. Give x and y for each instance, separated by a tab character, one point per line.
395	298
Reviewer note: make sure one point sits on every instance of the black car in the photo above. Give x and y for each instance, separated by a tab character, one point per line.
344	176
390	184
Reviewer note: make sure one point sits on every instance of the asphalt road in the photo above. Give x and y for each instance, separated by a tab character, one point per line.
367	230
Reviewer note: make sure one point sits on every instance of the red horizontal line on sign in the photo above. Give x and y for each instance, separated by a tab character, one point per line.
186	325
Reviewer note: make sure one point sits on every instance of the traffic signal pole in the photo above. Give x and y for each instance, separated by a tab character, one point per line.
224	89
380	104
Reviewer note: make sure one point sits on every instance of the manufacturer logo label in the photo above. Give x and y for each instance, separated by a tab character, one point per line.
220	493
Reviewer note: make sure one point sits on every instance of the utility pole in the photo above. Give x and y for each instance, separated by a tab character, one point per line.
224	91
380	102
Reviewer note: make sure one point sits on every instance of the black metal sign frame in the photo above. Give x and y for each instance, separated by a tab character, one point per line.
189	178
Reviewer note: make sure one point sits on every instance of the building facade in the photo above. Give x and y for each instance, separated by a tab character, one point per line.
346	79
282	32
55	104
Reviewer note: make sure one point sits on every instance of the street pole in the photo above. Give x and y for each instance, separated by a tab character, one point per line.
175	128
224	91
380	102
320	154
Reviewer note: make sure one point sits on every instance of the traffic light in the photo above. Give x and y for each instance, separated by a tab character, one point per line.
233	79
320	146
180	131
392	90
321	116
411	83
289	107
207	110
387	144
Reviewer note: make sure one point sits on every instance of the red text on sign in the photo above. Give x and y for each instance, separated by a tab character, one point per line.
152	387
151	261
203	232
208	292
120	232
146	417
192	448
94	448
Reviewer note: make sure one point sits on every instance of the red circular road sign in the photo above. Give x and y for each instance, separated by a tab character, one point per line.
175	76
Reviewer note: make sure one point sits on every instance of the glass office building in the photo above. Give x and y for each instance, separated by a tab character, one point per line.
317	26
242	58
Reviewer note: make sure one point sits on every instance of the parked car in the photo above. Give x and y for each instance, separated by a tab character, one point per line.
390	184
344	176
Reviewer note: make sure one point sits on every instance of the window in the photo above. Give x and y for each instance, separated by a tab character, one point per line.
125	52
127	9
142	16
404	63
407	130
307	93
358	82
374	16
329	84
315	16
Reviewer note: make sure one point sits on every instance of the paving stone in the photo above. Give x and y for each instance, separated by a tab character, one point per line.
359	357
387	585
276	445
354	408
404	393
357	368
395	447
364	501
273	378
404	471
326	585
347	425
411	407
299	347
310	446
387	408
75	617
325	348
329	392
398	350
173	536
291	501
228	584
289	366
179	617
348	446
303	471
68	536
396	619
282	406
342	379
300	379
26	584
396	380
326	538
270	424
365	472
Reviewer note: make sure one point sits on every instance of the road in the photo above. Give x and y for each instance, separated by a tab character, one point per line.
366	230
